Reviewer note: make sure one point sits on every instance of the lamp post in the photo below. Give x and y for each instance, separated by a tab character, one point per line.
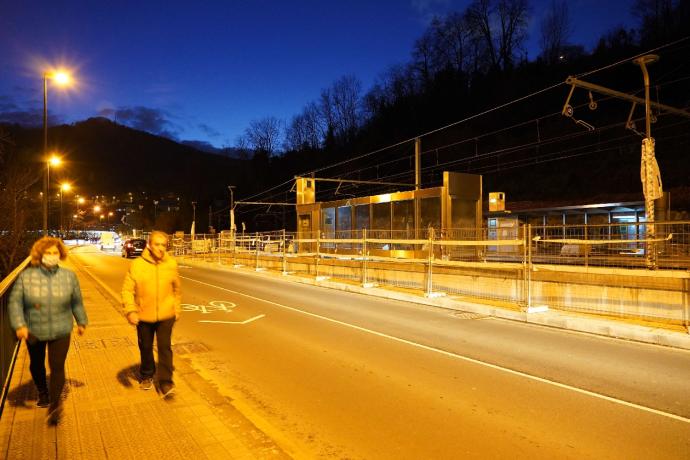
64	187
62	79
155	211
55	161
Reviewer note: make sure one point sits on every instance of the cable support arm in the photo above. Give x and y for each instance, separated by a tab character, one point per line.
567	109
341	181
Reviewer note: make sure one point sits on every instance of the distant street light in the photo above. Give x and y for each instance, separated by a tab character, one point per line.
110	214
62	79
155	211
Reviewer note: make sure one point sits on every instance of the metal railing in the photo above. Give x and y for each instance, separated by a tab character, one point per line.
601	269
8	340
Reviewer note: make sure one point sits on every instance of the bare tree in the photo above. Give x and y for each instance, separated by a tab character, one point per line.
657	18
263	135
17	208
499	29
478	17
305	130
339	107
556	28
512	15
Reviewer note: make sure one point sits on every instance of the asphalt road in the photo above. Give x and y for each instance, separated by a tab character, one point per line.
339	375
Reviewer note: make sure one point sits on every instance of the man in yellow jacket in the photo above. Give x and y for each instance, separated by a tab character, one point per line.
151	298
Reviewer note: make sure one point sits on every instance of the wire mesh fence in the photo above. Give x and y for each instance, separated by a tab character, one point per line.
613	269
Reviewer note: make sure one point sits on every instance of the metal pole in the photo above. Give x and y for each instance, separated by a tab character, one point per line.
529	266
524	262
256	242
61	226
316	262
46	179
417	184
648	161
364	257
429	280
285	272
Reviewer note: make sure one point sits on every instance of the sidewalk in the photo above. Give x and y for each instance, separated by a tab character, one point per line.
620	328
106	415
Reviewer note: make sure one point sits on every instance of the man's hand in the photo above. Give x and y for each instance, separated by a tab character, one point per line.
23	333
81	329
133	318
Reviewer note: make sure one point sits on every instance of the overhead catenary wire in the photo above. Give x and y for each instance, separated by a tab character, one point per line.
466	119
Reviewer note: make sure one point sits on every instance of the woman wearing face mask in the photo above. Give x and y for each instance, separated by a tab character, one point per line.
43	301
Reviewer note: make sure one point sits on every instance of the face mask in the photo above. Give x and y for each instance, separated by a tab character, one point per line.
50	261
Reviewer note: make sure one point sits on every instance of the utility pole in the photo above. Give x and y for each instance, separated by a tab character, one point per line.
232	210
193	218
417	184
649	171
651	176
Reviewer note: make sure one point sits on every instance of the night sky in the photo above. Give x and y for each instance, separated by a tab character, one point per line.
203	70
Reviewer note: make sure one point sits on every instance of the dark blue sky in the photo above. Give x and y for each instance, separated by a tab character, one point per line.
204	70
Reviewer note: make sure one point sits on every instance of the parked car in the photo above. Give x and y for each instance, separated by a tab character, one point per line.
133	247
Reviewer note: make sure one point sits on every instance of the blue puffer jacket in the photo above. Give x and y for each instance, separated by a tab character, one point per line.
45	300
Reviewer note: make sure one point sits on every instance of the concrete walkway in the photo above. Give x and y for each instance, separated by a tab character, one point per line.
106	415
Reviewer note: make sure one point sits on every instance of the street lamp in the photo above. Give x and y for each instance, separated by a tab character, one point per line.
64	187
54	161
62	79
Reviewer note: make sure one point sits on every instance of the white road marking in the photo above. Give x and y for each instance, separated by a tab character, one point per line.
463	358
213	306
233	322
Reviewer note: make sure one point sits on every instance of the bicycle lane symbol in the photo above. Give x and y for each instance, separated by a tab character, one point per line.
216	306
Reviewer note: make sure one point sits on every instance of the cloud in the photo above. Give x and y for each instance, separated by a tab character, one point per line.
11	112
154	121
210	132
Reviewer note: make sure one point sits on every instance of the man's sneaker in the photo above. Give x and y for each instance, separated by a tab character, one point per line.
54	414
43	400
167	390
146	384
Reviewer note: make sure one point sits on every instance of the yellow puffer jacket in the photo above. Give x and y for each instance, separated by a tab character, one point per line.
152	289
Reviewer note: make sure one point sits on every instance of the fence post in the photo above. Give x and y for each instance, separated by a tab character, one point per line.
256	242
285	272
429	280
317	256
529	266
587	248
524	264
365	283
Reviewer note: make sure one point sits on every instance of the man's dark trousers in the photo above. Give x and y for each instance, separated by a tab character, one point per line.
163	331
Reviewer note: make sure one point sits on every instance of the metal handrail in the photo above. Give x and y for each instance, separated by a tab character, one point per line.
8	340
